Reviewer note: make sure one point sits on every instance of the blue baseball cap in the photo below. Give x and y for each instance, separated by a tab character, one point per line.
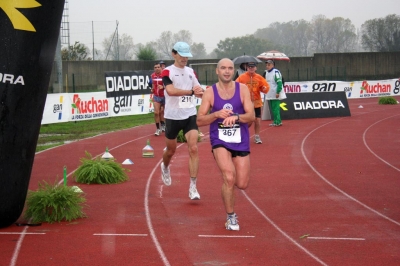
183	49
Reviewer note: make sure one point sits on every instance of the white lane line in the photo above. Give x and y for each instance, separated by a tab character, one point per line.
148	217
227	236
120	234
335	238
366	145
332	185
147	211
161	191
283	232
21	238
18	247
20	233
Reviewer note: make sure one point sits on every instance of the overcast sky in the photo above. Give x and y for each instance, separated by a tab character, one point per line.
209	21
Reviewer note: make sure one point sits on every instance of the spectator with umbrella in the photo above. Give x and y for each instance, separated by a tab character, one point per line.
242	61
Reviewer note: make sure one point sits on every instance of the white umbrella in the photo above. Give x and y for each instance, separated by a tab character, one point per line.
273	55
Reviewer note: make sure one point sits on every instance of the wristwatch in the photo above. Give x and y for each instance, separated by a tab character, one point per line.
237	120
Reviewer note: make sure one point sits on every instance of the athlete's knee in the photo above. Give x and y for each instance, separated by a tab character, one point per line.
229	181
242	183
193	150
242	186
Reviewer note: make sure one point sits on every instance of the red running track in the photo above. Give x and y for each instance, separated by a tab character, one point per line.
322	192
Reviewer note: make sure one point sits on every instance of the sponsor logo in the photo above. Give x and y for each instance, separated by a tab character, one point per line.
323	87
88	109
396	87
315	105
374	90
18	20
122	103
126	83
57	108
293	88
349	90
11	79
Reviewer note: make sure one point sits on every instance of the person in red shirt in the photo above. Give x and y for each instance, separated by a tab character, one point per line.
158	99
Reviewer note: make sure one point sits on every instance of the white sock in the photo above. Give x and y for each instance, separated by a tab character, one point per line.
193	181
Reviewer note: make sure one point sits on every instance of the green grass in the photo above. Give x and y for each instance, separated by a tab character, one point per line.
100	171
387	100
54	203
52	135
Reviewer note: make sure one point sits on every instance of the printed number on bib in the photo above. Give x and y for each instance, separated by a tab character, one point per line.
185	102
229	134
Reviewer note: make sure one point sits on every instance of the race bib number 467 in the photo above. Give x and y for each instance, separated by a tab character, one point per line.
229	134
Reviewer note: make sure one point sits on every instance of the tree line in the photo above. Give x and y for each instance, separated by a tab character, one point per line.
294	38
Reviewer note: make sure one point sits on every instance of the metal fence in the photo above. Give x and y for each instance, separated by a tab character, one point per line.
89	75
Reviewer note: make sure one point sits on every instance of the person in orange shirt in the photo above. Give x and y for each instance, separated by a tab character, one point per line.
256	84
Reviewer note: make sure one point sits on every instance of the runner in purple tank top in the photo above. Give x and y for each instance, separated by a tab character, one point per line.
228	109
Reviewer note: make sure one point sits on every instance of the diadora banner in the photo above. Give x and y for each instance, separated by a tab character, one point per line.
314	105
353	90
29	33
127	83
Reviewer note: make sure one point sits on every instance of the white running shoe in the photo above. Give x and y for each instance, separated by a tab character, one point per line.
193	194
163	128
232	223
257	139
158	132
165	175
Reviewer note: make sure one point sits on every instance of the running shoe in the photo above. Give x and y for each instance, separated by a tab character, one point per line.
272	125
158	132
232	223
257	139
278	125
193	194
163	128
165	175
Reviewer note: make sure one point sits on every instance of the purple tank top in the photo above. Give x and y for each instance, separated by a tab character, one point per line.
235	104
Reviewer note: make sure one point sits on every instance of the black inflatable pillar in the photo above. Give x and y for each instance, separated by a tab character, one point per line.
29	31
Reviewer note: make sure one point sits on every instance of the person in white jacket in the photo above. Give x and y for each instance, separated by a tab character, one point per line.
276	92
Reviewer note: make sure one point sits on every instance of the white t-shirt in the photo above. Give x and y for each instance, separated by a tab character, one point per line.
180	107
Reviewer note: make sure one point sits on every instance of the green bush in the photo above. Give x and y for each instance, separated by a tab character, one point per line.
54	203
387	100
181	137
99	171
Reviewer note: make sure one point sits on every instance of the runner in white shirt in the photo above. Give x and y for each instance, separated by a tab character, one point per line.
181	85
